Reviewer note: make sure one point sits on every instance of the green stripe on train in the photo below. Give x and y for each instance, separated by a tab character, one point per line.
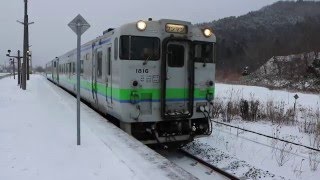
124	94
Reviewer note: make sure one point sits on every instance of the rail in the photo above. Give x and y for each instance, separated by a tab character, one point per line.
218	170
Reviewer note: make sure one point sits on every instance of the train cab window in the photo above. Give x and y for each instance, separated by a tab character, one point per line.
99	59
116	49
204	52
139	48
54	64
175	55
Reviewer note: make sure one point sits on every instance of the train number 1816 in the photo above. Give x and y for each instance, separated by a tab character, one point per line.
142	71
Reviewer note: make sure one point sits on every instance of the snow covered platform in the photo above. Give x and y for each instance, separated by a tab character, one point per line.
38	140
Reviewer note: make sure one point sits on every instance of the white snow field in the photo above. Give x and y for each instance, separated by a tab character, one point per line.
257	157
38	140
265	94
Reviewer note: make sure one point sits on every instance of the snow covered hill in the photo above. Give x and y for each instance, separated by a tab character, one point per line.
295	72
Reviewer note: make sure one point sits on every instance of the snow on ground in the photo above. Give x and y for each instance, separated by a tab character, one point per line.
264	94
38	140
252	156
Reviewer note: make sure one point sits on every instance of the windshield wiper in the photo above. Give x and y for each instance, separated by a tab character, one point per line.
146	60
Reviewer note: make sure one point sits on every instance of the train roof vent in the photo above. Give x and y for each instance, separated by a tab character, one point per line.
108	30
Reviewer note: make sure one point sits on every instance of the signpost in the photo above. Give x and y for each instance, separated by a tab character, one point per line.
295	102
78	25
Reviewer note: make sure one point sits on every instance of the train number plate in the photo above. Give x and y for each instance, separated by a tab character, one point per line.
142	71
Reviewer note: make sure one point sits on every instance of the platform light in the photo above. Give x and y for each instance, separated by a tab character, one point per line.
207	32
141	25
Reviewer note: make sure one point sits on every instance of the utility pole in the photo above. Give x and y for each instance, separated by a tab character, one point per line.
14	69
19	68
26	37
25	63
25	46
19	65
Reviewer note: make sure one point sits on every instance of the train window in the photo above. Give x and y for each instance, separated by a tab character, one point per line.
145	48
124	47
74	67
81	66
204	52
175	55
99	71
116	49
139	48
54	64
109	60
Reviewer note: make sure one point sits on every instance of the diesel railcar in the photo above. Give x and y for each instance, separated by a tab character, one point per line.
155	77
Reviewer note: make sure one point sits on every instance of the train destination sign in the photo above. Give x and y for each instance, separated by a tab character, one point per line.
176	28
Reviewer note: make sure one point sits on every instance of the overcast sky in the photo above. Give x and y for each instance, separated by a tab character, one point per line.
50	36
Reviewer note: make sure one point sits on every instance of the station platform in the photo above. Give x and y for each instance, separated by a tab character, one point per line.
38	140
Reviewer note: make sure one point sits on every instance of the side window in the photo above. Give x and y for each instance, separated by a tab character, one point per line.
99	71
69	68
109	60
81	65
74	67
116	49
204	52
124	47
215	53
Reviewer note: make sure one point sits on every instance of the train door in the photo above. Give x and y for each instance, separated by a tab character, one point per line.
96	73
177	95
52	70
58	69
108	77
69	70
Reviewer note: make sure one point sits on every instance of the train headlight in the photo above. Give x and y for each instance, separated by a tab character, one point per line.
141	25
207	32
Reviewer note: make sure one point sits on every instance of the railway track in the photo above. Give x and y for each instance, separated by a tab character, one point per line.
196	166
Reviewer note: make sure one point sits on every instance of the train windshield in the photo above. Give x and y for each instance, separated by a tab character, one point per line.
204	52
139	48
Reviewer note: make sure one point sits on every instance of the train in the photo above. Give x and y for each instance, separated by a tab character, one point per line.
155	77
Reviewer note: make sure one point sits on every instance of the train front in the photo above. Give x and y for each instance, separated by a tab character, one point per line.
171	72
